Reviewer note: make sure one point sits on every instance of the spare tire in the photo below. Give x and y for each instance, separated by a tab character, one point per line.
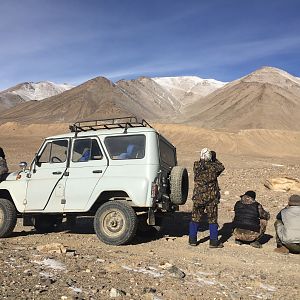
179	185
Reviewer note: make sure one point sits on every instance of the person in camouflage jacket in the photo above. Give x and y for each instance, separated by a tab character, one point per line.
206	196
3	164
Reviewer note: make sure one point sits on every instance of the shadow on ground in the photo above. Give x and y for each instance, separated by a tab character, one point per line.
172	226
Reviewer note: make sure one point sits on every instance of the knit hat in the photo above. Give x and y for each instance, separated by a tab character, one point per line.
251	194
294	200
205	154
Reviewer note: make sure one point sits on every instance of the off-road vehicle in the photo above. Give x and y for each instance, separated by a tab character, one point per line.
121	171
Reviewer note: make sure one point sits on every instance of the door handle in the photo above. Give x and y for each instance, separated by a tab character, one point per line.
56	173
97	171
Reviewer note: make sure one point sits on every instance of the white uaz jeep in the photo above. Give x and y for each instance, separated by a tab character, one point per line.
121	171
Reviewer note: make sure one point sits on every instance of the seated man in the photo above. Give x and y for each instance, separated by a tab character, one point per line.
287	227
250	220
3	165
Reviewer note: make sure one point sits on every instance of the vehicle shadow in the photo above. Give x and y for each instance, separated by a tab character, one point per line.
172	226
22	233
83	225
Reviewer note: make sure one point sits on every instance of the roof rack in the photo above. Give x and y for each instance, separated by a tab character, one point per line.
94	125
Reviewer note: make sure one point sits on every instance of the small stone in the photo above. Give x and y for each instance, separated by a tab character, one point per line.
148	296
53	248
176	272
28	272
70	282
149	290
114	293
71	253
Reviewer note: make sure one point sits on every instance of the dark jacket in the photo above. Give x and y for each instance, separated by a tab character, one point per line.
3	166
248	213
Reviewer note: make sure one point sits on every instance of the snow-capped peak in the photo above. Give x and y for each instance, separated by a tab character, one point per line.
182	86
39	90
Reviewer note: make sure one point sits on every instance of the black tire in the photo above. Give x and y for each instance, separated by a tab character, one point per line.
47	223
179	185
8	217
115	223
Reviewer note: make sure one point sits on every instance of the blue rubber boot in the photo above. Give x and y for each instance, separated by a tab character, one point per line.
213	235
193	230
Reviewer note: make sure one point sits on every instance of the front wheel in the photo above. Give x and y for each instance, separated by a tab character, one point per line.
115	223
8	217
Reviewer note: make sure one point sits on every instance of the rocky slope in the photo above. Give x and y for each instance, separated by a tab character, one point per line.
268	98
97	98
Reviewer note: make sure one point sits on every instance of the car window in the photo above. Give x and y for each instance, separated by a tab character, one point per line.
55	152
167	153
126	147
85	150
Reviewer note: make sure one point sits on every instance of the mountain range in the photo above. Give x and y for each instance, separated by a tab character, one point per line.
267	98
27	91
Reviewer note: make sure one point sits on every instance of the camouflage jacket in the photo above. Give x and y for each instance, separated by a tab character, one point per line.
206	188
3	166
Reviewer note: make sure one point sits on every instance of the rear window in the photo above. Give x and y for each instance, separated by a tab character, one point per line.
167	153
126	147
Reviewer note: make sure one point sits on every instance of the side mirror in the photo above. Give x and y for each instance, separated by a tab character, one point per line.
23	165
36	160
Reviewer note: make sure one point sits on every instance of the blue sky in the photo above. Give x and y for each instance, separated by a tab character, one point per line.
75	40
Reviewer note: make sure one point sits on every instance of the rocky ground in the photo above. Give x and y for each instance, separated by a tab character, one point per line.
73	264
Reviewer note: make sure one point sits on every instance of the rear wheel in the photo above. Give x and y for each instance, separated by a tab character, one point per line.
179	185
115	223
47	223
8	217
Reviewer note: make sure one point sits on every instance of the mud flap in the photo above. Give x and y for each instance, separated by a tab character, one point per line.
28	221
151	217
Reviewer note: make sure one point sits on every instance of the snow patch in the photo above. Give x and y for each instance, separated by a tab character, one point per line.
150	271
51	264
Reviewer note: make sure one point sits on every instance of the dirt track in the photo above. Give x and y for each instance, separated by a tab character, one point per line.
140	269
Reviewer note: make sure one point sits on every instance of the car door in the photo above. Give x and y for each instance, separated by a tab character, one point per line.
45	187
87	166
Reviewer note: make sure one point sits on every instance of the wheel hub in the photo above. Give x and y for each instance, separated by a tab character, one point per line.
113	223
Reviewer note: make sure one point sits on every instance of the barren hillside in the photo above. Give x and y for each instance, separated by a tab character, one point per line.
268	98
96	98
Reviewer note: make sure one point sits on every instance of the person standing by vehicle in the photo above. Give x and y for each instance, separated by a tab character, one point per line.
287	227
206	196
3	165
